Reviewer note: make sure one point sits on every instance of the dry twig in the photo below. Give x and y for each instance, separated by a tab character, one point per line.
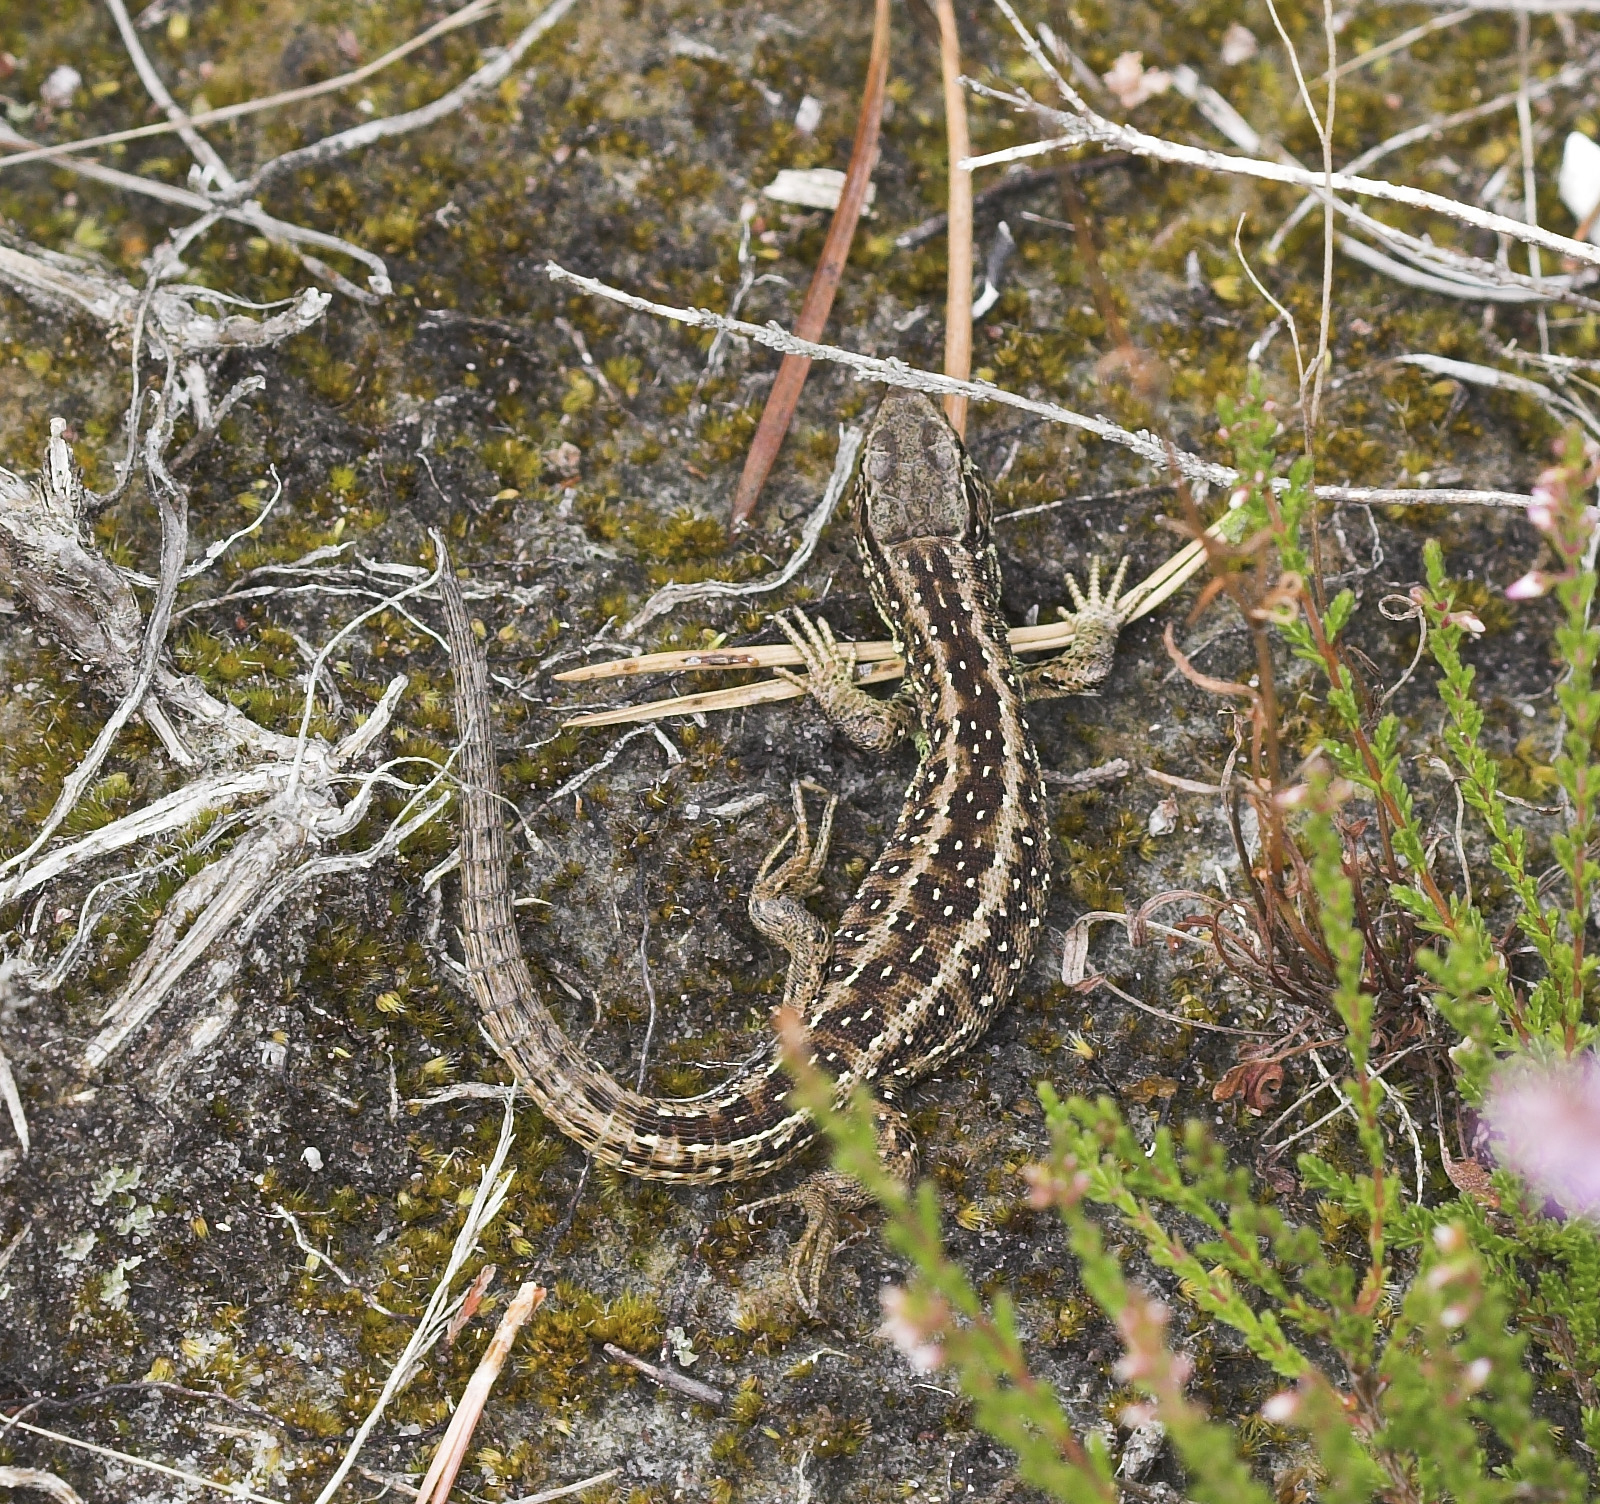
668	1378
1092	129
897	373
566	1490
194	1480
474	10
672	595
41	1482
493	1188
452	1452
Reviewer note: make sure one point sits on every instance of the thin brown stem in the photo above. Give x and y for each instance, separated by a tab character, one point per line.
958	297
785	394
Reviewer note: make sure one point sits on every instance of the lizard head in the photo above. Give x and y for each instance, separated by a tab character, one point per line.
916	479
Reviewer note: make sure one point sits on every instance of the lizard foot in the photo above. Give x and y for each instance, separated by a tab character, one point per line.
830	680
1098	617
821	1197
800	875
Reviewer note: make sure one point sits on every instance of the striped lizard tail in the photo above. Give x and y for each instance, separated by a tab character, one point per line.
740	1130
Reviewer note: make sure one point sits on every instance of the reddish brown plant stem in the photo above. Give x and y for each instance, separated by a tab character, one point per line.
785	394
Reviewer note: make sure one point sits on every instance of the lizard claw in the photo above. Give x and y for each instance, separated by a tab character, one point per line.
829	667
1112	604
821	1197
801	875
830	680
1099	615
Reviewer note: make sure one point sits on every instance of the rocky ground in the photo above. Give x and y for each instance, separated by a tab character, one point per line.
576	457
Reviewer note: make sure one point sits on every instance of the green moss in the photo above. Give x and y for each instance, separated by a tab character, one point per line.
565	1333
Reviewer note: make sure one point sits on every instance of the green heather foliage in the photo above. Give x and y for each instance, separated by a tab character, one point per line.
1400	1344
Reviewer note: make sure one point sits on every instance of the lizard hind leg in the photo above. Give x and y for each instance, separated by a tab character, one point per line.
798	877
776	907
824	1195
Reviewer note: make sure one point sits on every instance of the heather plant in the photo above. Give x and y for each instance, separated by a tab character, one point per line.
1402	1331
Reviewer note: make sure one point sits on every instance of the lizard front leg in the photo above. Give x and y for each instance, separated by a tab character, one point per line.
830	680
1082	666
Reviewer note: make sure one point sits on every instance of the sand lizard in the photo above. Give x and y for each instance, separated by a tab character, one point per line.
944	924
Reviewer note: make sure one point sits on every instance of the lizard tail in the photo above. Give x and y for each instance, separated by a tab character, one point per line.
740	1130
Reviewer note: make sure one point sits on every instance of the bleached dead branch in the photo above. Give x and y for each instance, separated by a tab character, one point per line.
1090	129
1400	43
60	282
173	812
193	1480
88	605
405	825
201	149
1563	407
1454	273
1567	77
13	1100
567	1490
417	586
41	1482
475	10
475	86
279	232
62	502
1530	7
897	373
214	914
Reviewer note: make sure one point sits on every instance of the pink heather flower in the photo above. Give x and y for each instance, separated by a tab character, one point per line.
1544	1123
1133	83
1466	620
1281	1408
923	1355
1542	510
1530	586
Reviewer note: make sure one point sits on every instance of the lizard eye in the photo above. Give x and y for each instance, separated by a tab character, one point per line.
937	446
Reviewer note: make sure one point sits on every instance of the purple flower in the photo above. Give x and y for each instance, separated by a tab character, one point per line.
1544	1123
1530	585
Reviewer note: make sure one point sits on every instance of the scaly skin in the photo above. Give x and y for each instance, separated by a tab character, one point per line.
945	922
